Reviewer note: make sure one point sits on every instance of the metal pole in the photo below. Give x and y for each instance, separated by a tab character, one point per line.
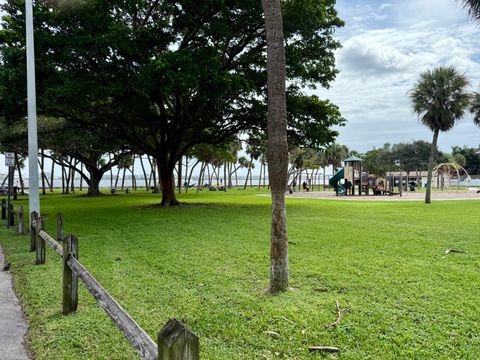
33	197
9	193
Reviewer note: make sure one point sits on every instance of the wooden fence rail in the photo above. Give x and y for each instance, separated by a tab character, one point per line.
175	340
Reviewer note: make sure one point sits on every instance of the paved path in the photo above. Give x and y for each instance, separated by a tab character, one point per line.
13	325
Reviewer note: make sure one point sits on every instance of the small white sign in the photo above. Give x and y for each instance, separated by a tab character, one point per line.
9	159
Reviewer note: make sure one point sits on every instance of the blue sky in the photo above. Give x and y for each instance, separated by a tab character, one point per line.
386	45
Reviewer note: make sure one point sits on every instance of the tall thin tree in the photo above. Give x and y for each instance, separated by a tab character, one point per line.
439	99
277	148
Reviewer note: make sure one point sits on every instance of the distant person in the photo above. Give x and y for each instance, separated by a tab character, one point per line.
305	187
348	185
16	187
294	185
413	185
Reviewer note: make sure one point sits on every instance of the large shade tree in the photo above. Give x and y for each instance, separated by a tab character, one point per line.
167	75
439	98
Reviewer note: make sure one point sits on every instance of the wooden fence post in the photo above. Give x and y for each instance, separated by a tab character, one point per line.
11	216
59	227
21	226
70	280
40	243
33	231
177	342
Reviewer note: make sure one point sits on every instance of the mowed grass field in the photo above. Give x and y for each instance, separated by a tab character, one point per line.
207	263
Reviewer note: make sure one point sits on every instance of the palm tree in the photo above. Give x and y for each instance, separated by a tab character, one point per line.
440	100
335	153
277	146
473	7
475	108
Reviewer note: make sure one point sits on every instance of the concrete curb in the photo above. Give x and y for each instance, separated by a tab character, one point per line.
13	326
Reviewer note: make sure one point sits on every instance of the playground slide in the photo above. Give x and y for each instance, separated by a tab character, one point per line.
334	182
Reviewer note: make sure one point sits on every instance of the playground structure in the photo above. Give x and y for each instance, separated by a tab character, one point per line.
357	182
446	172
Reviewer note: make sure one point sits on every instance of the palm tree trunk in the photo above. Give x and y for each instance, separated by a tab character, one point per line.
433	153
277	143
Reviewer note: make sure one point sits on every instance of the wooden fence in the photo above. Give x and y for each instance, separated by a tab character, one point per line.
175	341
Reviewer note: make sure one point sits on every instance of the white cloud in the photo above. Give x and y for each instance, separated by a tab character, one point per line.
379	63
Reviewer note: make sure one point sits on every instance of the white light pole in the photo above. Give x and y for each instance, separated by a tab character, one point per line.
33	197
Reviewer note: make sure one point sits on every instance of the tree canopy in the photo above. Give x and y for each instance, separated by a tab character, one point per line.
165	76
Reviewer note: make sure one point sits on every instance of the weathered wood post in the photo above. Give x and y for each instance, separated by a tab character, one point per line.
40	243
70	280
4	209
33	230
11	216
59	227
177	342
21	225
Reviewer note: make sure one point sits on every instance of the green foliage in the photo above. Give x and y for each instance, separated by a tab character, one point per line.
472	158
335	153
165	76
206	264
439	98
412	156
475	108
379	161
473	8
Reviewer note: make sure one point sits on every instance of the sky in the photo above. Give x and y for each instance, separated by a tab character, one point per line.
385	46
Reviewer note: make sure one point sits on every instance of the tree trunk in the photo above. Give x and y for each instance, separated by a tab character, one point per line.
225	176
81	178
179	179
116	179
123	177
433	153
51	176
132	171
277	143
208	175
200	176
246	179
93	181
167	184
42	170
62	169
191	173
66	172
20	177
147	182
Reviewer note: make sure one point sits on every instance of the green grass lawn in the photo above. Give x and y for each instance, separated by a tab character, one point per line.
208	264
